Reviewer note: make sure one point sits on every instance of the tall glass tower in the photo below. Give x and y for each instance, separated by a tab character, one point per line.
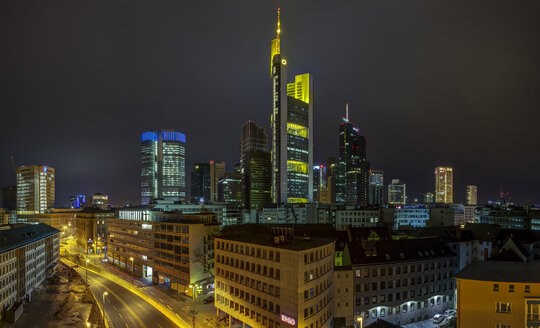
292	131
444	185
163	166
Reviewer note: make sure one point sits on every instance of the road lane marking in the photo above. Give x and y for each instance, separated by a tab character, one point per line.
120	314
161	299
169	307
114	307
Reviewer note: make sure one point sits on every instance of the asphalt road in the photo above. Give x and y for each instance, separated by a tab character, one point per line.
123	308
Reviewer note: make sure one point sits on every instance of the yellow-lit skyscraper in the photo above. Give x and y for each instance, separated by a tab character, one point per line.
444	185
35	188
292	131
472	195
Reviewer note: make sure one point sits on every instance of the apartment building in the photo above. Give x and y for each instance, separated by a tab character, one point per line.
28	254
498	294
400	281
274	277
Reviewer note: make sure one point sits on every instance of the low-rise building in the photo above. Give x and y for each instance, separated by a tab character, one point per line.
506	216
498	294
91	229
274	277
402	281
343	297
28	254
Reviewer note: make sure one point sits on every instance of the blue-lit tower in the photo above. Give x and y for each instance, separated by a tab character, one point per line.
163	166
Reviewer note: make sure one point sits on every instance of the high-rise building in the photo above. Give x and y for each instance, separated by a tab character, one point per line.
292	131
9	197
217	171
352	180
163	166
397	193
472	195
376	187
255	166
77	201
200	183
230	189
35	188
319	184
100	200
429	198
444	185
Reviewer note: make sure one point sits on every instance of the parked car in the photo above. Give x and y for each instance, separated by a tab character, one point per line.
449	312
438	318
209	299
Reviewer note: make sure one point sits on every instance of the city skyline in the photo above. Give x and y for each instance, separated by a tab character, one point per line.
402	152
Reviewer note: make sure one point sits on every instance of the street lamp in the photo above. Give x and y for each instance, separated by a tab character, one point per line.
132	270
360	320
103	314
193	291
87	260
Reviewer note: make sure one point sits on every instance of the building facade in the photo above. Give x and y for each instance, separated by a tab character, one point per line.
376	187
274	279
472	195
256	166
498	294
292	131
35	188
163	166
217	171
200	183
230	189
401	281
444	185
28	254
397	193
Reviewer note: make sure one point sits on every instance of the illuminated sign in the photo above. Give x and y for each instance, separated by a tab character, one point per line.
287	319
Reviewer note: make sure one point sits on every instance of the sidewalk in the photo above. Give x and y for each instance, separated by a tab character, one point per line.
177	303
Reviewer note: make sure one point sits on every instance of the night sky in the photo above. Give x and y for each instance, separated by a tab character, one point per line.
429	83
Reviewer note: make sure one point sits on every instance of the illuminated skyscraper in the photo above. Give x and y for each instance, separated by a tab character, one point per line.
35	188
163	166
292	131
397	193
376	187
352	173
472	195
444	185
255	166
429	198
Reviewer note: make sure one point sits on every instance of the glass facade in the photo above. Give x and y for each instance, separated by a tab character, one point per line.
163	166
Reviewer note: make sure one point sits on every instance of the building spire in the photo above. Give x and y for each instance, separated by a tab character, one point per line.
347	112
278	24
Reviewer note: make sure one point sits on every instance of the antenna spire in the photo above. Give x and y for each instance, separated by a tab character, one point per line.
278	23
347	111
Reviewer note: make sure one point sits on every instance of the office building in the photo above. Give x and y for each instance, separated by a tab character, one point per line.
400	281
498	294
320	189
274	277
507	216
217	170
35	188
472	198
77	201
352	172
91	230
429	198
226	214
163	166
230	189
173	250
64	220
376	187
256	166
100	200
292	131
200	183
9	197
397	193
444	185
28	254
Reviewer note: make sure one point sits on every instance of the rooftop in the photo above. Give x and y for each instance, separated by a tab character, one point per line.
17	235
501	271
304	236
382	324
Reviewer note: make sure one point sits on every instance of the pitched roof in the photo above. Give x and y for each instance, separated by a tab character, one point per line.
382	324
502	271
397	250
